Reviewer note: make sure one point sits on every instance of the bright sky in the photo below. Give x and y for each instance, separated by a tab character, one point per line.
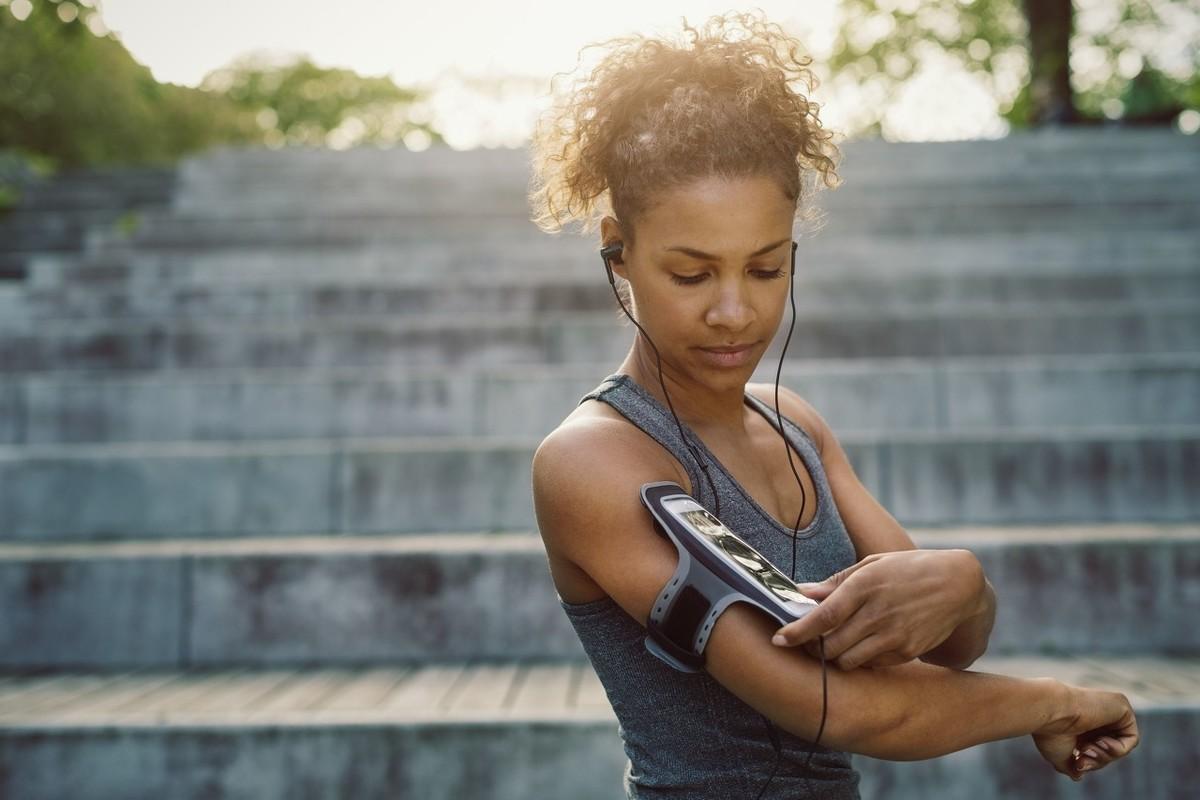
181	40
449	43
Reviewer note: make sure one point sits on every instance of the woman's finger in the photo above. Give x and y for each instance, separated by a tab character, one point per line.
862	651
1112	745
1093	756
1099	753
822	589
852	633
823	619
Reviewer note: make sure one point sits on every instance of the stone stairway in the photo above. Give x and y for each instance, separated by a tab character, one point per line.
467	729
264	459
431	597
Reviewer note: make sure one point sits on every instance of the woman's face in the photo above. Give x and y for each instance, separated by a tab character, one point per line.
711	269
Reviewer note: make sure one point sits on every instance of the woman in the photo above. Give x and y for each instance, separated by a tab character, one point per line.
703	154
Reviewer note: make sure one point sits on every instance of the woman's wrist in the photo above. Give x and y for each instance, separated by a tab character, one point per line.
1060	710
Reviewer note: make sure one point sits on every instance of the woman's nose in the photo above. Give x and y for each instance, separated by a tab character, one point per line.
731	307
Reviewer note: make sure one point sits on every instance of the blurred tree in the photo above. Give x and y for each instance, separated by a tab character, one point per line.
1150	97
1061	62
73	95
1138	60
80	98
298	103
1050	27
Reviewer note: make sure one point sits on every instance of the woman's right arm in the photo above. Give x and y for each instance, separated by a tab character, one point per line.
915	710
586	482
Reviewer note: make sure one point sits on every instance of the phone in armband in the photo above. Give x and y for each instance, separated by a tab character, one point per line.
716	568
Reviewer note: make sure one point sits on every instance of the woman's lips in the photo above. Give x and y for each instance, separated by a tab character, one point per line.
723	357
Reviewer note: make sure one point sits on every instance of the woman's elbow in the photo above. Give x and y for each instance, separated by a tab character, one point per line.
862	717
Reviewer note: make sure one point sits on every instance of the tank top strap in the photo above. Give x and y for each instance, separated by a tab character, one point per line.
768	411
642	409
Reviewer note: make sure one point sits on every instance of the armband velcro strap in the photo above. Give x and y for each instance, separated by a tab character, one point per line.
674	629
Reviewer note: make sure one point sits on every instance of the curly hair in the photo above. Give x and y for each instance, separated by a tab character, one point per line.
654	115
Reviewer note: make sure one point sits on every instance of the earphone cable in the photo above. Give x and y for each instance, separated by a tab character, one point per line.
779	417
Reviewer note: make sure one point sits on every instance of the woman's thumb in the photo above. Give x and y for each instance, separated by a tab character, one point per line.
820	589
816	590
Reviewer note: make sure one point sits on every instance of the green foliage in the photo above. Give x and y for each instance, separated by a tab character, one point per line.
884	41
1147	93
887	37
1020	111
10	196
1150	95
74	98
17	171
127	224
298	103
79	98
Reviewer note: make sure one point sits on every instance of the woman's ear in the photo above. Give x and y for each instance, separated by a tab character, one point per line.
612	260
613	249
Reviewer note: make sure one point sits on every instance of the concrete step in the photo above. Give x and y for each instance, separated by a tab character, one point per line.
360	226
1045	211
512	255
550	291
31	230
1119	152
485	338
224	163
500	255
491	731
167	230
414	484
292	199
13	270
1125	589
858	395
85	189
57	214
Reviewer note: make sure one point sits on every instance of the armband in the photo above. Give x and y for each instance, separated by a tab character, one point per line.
716	568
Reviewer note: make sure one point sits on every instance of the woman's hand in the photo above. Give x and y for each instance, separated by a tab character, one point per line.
1095	729
889	608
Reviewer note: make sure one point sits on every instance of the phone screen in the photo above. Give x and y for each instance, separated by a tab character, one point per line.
721	538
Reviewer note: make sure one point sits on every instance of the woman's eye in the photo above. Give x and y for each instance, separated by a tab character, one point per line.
765	274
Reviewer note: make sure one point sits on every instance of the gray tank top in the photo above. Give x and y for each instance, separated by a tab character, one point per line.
686	736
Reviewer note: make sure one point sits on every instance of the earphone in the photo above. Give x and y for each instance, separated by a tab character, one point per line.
612	252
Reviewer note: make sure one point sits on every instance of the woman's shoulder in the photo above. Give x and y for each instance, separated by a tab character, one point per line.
595	436
586	477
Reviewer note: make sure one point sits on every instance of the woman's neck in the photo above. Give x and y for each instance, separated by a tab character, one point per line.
701	406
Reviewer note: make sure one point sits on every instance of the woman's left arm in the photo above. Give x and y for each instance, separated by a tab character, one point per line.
897	602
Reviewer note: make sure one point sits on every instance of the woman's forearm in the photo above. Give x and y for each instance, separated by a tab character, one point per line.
916	711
